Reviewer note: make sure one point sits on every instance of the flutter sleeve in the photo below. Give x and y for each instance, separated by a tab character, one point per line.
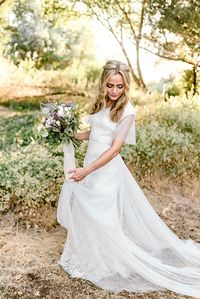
125	130
87	119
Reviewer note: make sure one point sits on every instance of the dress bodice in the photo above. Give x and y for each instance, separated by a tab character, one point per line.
102	127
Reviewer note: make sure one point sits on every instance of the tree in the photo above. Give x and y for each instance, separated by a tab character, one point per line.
175	32
169	29
35	34
123	19
175	29
189	81
31	37
4	6
57	12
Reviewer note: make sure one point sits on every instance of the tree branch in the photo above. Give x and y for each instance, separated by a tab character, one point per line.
120	42
138	43
127	18
142	18
137	38
2	1
167	57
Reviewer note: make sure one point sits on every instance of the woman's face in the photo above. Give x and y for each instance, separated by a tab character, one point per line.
115	87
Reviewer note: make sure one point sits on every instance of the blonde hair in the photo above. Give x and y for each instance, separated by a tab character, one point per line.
111	68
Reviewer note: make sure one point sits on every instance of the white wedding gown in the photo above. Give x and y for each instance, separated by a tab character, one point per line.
115	238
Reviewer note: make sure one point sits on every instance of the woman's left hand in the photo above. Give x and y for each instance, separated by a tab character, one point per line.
79	173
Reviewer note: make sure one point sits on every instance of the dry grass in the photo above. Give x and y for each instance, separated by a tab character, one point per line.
29	257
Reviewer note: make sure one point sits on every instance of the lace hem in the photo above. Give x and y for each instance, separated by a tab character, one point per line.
115	283
72	267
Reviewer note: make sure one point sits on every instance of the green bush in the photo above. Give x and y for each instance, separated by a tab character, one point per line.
162	148
23	105
173	90
92	75
30	177
168	135
181	113
17	129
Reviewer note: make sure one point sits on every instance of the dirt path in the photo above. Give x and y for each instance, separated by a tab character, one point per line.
4	110
29	258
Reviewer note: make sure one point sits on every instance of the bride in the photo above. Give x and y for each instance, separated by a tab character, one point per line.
115	238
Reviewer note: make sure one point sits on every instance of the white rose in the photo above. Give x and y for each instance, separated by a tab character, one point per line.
45	134
40	127
68	112
67	108
50	121
46	110
61	111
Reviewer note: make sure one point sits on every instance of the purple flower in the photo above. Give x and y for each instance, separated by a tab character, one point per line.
56	116
69	104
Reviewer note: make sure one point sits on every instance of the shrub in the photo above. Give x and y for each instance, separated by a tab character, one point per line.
29	177
32	175
92	74
23	105
173	90
17	129
168	135
162	148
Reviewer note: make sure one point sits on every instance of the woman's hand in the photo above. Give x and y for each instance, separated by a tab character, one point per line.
79	173
82	135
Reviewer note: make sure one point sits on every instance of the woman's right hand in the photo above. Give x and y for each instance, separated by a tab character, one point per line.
77	136
82	135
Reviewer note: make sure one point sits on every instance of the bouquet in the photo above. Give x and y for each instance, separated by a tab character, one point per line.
59	123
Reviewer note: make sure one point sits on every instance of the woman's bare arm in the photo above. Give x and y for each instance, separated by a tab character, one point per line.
82	135
108	155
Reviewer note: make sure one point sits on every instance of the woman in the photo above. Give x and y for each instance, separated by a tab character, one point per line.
115	238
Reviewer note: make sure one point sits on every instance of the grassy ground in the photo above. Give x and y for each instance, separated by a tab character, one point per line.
29	257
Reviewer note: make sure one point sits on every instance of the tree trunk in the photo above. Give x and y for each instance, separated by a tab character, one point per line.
194	80
138	66
135	78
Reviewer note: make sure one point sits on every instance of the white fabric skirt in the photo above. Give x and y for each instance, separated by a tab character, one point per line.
116	239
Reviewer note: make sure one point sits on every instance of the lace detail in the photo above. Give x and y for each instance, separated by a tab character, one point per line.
113	283
72	266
